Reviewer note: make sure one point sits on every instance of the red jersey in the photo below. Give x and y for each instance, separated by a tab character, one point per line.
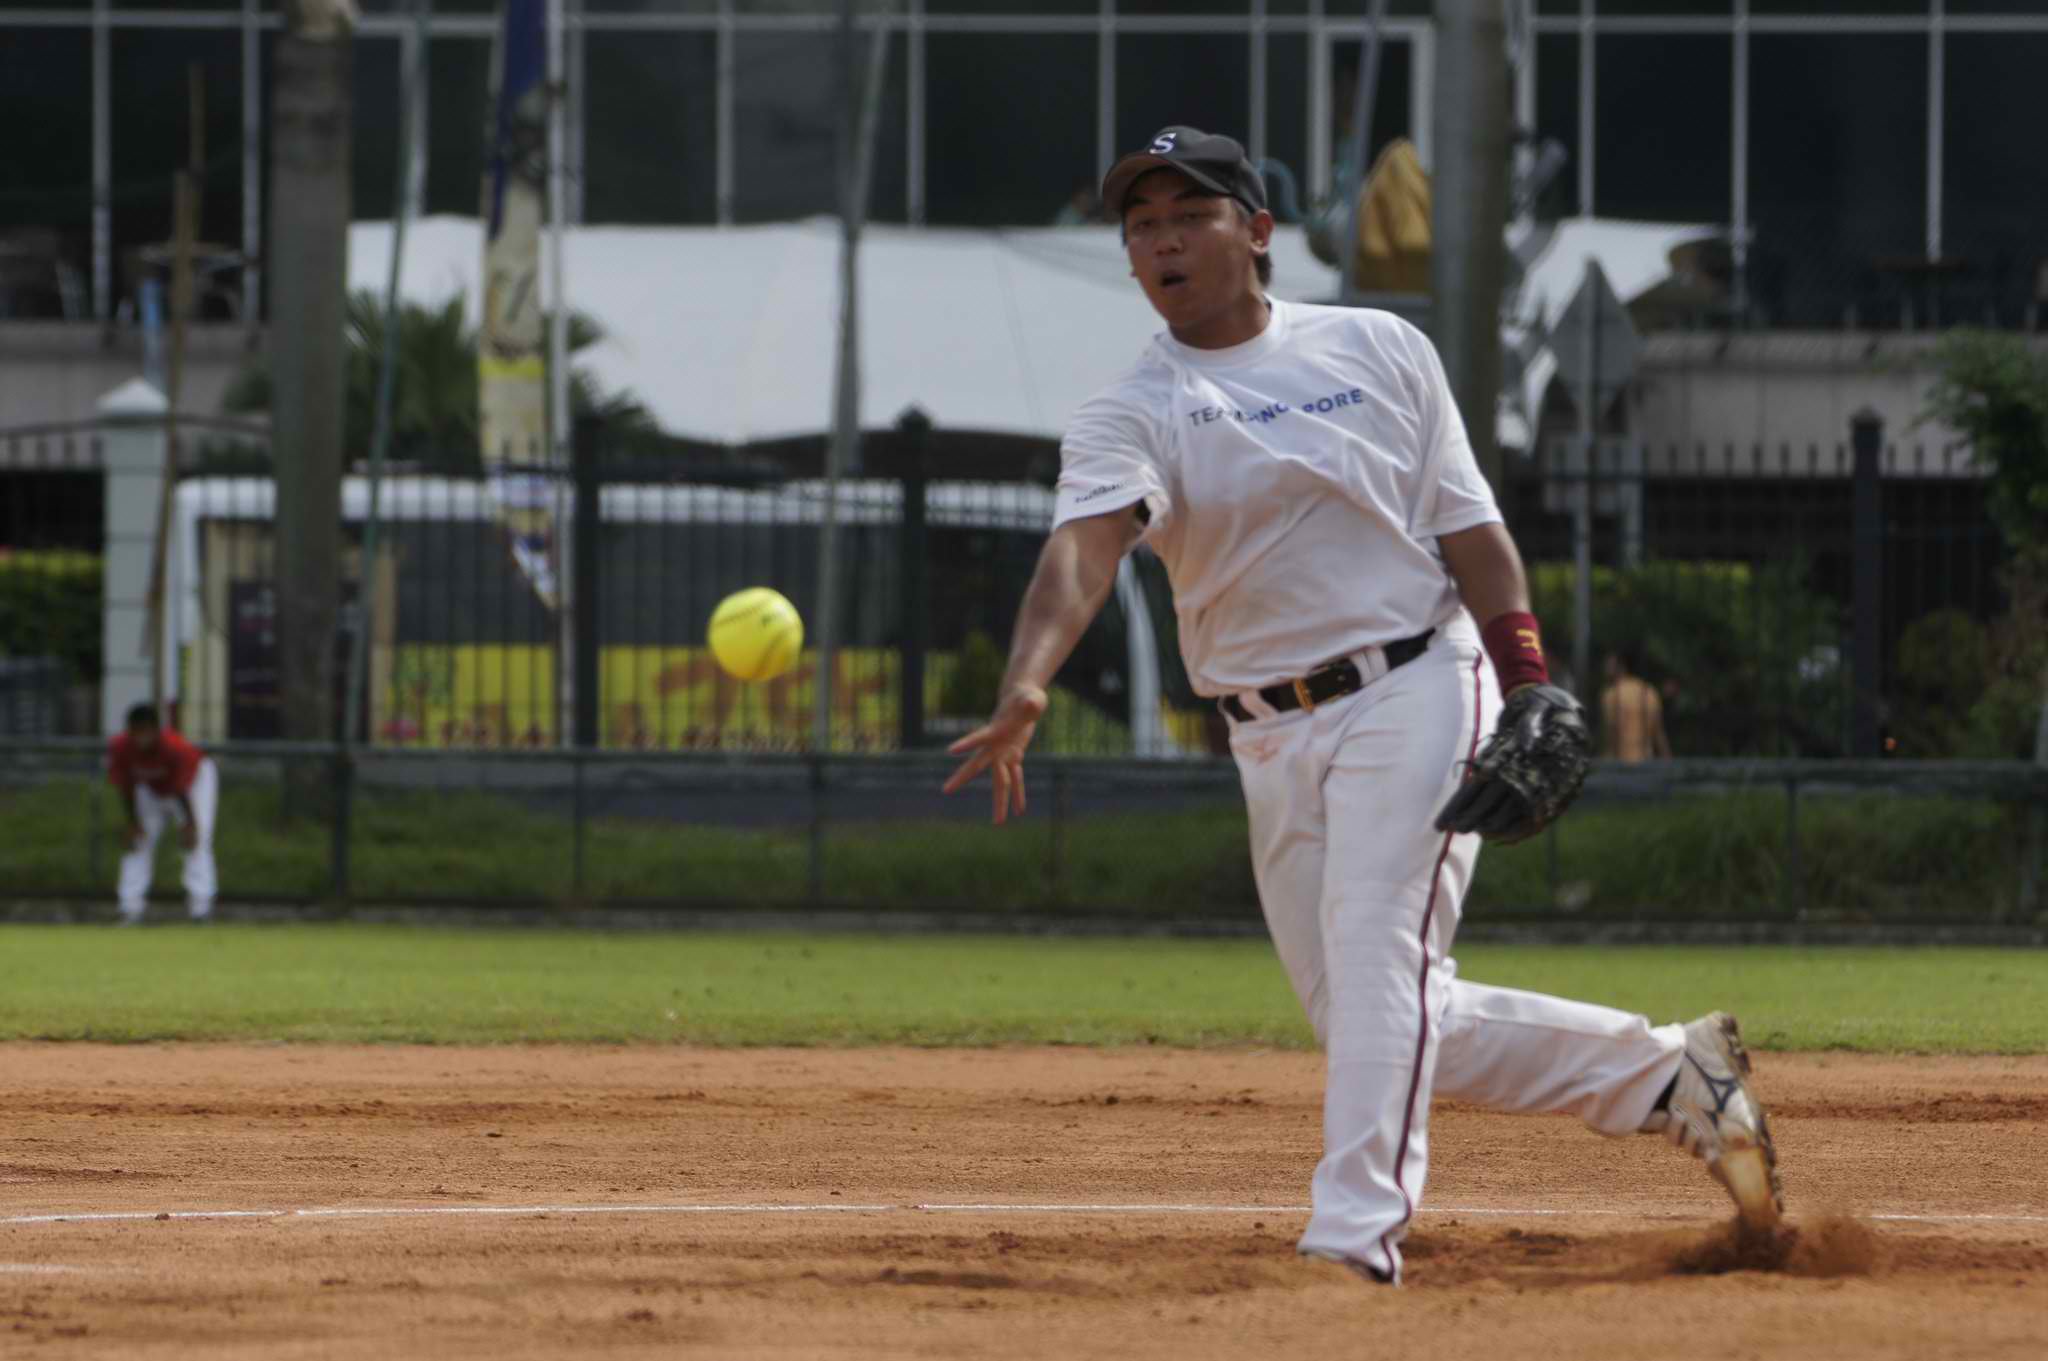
168	770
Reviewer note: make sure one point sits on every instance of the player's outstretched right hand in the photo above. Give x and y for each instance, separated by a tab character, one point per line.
997	746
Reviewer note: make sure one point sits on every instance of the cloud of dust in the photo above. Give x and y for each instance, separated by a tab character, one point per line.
1831	1244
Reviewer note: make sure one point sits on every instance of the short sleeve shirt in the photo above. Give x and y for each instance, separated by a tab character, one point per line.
167	771
1295	487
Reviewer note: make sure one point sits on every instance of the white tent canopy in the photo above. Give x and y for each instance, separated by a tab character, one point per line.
727	335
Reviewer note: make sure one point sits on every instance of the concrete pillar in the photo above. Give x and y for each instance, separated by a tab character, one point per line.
132	452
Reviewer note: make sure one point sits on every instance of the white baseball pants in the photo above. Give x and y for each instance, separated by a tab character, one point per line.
1362	896
154	811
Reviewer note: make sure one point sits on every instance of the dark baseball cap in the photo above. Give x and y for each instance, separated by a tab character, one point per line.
1216	163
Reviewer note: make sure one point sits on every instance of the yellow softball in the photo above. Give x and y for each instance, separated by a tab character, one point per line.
756	634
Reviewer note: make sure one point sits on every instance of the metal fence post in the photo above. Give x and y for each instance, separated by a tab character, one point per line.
344	804
914	556
577	815
1866	438
93	799
2029	901
1056	866
1550	868
1793	890
817	853
583	583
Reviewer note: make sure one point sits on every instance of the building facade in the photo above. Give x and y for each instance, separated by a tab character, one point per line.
1868	158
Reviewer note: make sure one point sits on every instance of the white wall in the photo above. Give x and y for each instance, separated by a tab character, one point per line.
54	371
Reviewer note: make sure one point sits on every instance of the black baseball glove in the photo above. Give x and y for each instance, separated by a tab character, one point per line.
1528	772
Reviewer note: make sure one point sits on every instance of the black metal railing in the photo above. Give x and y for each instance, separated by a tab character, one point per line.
1780	602
1781	844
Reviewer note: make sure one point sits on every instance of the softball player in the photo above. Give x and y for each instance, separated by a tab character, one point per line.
161	778
1349	597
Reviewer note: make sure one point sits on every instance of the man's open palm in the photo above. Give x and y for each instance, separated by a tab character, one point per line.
997	746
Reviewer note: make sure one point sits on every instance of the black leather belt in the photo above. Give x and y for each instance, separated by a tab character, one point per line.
1333	680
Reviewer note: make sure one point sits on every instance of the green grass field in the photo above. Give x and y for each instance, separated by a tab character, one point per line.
346	983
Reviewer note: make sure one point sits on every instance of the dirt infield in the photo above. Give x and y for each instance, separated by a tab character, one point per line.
518	1203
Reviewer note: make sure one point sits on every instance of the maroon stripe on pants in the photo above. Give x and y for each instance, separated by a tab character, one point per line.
1422	996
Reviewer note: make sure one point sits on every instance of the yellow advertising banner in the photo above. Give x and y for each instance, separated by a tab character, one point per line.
655	698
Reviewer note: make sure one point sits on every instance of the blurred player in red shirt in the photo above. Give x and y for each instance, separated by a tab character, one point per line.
161	775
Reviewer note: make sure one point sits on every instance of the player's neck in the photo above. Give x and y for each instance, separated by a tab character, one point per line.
1245	319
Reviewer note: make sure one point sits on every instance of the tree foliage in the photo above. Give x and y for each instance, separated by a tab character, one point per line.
434	394
1992	388
50	607
1749	657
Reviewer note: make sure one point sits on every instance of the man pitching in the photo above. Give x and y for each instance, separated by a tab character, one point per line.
161	776
1342	578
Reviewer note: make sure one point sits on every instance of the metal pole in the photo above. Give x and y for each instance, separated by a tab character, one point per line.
1469	211
1866	439
1057	850
817	840
1936	103
307	280
343	795
845	440
2029	901
915	569
252	164
1794	888
102	164
93	817
402	205
1365	89
1739	164
558	376
1550	865
583	581
1582	491
577	812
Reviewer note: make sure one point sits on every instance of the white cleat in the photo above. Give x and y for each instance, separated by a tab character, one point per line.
1350	1264
1714	1116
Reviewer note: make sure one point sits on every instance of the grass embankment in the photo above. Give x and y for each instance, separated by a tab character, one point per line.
346	983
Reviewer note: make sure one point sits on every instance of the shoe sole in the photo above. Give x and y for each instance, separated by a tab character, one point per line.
1749	1171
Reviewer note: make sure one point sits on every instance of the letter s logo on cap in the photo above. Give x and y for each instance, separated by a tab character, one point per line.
1163	143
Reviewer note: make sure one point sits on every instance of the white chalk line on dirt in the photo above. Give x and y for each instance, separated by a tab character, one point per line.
838	1207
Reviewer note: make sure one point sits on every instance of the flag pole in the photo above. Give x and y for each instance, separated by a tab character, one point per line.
402	203
856	171
559	455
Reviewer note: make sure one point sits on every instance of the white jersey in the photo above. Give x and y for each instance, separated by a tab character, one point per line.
1295	487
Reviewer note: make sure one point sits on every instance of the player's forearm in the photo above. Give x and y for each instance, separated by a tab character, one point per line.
1076	572
1488	570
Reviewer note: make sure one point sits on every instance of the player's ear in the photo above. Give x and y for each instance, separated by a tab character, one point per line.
1262	225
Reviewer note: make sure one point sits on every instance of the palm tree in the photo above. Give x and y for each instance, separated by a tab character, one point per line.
434	396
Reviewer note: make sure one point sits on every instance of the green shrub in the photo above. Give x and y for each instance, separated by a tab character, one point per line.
1752	654
969	688
50	607
1709	857
1943	668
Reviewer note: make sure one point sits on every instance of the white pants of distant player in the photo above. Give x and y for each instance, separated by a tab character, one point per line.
155	812
1362	897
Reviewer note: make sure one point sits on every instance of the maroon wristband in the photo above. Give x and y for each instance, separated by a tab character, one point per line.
1516	646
